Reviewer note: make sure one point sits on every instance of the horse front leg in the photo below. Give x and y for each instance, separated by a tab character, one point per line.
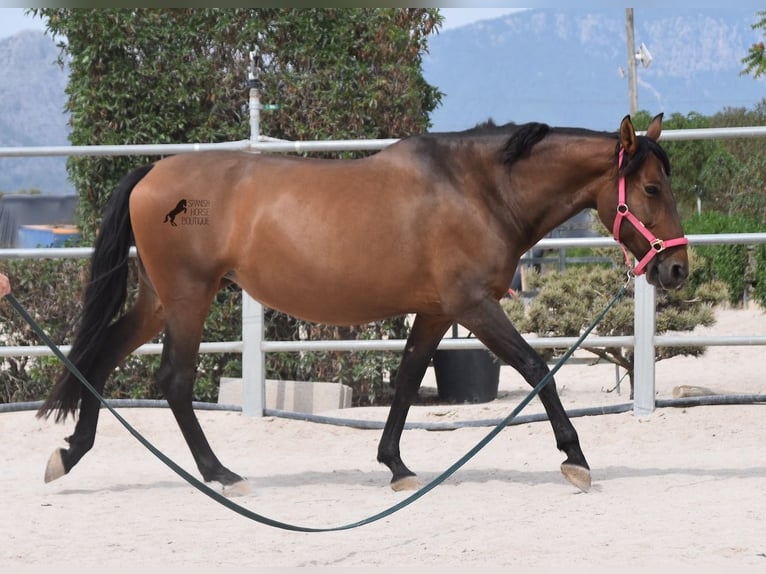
491	326
423	339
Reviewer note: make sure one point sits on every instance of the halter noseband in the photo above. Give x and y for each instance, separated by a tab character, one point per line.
623	212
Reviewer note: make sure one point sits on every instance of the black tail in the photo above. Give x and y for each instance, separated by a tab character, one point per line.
104	296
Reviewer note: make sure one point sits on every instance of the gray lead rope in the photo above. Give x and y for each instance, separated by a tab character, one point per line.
220	498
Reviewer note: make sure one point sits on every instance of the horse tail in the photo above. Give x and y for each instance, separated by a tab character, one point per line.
105	294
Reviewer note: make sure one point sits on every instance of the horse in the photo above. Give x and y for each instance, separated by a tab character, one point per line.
433	225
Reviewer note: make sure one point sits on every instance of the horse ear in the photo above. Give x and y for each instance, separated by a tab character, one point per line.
655	128
628	138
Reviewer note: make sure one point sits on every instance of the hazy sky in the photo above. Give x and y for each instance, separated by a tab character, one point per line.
13	20
454	17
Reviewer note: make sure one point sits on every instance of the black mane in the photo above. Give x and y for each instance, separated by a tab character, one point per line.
525	136
523	140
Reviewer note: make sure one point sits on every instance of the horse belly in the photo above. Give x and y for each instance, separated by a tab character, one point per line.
331	295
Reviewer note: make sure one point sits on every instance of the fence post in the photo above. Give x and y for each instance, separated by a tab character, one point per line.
643	351
253	357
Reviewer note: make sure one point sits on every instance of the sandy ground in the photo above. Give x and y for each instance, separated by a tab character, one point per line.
680	487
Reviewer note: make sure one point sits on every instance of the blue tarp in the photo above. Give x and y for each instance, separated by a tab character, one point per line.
19	209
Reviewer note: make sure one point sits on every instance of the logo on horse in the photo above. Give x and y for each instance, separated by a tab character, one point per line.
171	215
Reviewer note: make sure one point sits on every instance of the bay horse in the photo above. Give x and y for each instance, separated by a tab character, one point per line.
434	225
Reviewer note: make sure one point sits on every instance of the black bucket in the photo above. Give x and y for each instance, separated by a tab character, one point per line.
466	375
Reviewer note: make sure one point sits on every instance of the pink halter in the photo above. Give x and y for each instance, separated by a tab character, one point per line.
657	245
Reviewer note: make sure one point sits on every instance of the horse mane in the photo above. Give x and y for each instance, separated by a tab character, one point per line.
524	138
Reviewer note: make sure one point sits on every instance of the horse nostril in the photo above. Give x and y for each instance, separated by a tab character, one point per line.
679	272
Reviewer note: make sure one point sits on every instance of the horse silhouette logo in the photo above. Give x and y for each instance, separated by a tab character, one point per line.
171	215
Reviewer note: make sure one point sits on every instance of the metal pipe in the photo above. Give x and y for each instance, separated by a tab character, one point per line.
433	426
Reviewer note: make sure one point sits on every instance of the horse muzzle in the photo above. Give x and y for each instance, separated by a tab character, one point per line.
668	272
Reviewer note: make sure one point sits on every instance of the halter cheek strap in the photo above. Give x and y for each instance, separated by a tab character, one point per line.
623	212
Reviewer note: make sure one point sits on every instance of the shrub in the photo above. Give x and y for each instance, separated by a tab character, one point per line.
567	302
740	267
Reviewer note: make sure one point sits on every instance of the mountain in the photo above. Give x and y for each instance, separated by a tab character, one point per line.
32	102
560	66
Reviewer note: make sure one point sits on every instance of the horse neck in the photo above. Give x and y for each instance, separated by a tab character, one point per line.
563	176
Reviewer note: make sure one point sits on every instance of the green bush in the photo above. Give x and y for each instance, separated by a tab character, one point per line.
368	373
567	302
742	268
49	289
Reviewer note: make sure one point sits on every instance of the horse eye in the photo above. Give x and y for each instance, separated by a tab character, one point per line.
652	190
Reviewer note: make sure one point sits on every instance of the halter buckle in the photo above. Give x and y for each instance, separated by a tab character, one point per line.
658	245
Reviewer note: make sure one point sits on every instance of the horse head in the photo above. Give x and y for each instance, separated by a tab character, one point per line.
643	214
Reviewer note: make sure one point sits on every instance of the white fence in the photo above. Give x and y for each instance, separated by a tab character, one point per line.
254	348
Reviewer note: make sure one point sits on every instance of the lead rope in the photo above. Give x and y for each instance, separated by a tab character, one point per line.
242	511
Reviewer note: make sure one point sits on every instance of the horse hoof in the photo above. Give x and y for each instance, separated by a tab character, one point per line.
239	488
55	468
406	483
577	475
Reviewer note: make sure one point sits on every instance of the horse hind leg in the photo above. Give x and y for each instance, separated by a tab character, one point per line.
491	326
423	339
125	335
175	377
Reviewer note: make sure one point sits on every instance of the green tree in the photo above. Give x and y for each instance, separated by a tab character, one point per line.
741	267
159	76
755	61
752	199
701	168
746	194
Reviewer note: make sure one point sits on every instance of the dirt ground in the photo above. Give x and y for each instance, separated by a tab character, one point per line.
679	487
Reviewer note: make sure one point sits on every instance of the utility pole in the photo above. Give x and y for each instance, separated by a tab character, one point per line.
632	72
